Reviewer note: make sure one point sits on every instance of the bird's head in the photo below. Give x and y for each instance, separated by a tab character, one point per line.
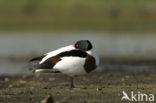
83	45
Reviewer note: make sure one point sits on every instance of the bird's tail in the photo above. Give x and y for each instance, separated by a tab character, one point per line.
42	68
46	67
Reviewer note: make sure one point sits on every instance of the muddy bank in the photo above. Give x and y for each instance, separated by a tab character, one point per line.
103	87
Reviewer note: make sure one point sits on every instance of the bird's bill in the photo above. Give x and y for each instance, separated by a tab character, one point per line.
73	45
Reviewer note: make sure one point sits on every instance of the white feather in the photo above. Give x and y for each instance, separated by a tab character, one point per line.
93	53
71	65
55	52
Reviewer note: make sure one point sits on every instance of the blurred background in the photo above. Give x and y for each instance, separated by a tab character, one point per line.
123	32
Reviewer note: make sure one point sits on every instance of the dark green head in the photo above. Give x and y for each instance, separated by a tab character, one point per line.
83	45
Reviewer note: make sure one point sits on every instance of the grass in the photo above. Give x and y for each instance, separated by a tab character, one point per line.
103	87
99	15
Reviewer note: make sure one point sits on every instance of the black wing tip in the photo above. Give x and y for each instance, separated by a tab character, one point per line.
31	60
36	58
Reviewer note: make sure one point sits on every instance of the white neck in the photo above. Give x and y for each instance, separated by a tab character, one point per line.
93	53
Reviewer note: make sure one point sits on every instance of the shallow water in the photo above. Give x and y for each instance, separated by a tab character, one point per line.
17	46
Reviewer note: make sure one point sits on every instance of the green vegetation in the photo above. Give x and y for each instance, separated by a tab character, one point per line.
103	87
96	15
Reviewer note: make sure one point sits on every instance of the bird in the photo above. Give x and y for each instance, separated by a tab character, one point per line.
77	59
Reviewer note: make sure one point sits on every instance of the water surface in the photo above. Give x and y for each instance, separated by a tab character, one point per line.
18	46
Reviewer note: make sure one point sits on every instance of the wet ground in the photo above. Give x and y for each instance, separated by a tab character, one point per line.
105	87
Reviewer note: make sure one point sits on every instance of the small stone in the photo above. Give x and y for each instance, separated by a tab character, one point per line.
22	82
30	99
6	79
122	79
31	92
10	86
84	87
127	76
51	79
98	89
47	88
48	99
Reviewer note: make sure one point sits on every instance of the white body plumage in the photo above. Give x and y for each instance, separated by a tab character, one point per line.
69	65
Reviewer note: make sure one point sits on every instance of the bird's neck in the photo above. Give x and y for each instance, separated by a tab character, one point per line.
93	53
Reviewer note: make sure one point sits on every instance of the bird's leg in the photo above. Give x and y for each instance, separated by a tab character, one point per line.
72	82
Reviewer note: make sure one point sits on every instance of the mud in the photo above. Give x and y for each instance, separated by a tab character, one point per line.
103	87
